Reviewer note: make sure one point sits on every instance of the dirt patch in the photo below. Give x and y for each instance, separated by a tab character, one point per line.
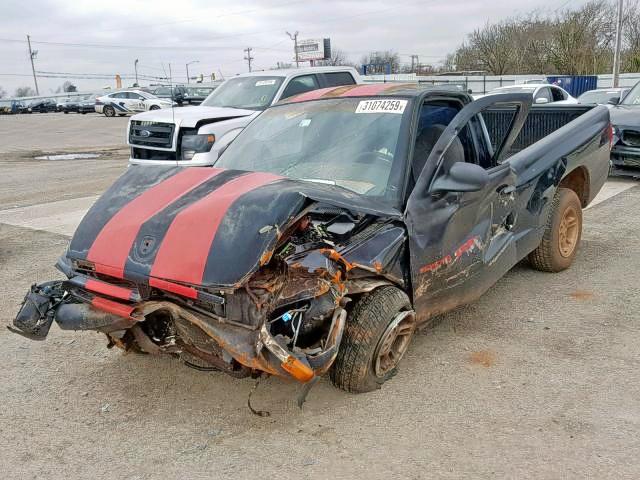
582	295
486	358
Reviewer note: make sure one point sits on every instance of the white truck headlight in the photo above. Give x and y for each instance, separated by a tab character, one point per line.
192	144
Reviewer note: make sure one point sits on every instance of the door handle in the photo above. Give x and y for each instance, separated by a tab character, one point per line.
506	189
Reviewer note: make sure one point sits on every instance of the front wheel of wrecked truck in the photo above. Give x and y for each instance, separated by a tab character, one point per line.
377	335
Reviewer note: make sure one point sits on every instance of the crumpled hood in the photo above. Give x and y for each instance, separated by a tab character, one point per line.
190	116
625	115
200	225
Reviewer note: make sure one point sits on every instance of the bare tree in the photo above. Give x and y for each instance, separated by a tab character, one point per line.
631	29
580	38
24	92
338	58
578	41
494	44
69	87
3	92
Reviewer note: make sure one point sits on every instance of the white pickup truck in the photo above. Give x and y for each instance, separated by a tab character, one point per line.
190	136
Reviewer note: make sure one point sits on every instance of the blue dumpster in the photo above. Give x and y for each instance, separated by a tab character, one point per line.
576	85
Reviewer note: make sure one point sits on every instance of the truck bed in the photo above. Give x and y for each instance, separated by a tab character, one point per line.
541	122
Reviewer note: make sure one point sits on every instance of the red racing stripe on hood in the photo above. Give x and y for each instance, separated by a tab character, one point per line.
111	247
183	254
311	95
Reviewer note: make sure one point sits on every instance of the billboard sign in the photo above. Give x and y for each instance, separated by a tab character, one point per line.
314	49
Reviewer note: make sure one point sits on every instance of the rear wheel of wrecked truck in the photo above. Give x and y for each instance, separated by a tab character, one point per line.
378	332
562	234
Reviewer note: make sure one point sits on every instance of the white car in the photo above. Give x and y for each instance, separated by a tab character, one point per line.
197	135
124	102
543	93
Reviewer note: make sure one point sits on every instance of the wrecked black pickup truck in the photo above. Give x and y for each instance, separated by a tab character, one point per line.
333	225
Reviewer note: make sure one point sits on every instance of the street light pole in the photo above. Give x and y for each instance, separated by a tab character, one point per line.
187	67
135	66
294	37
618	46
32	55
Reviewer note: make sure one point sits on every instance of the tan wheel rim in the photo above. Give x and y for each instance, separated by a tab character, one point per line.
568	232
394	343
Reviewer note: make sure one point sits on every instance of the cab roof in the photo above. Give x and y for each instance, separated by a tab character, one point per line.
288	72
372	90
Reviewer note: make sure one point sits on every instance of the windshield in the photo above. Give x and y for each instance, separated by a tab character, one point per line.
633	97
343	142
252	93
599	96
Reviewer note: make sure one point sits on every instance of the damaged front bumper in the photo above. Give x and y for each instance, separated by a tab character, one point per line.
132	323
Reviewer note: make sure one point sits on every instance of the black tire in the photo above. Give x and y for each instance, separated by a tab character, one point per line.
65	112
369	323
109	111
555	253
154	107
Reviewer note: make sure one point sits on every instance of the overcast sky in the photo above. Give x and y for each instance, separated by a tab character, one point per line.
107	36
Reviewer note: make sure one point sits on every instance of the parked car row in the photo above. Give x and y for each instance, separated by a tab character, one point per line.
184	95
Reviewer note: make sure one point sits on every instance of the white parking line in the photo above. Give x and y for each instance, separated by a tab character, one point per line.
63	216
60	217
613	187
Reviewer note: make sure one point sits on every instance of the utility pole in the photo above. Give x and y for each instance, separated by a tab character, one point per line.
414	62
618	47
135	66
248	58
32	55
187	67
294	37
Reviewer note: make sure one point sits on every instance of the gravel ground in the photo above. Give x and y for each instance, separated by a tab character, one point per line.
539	378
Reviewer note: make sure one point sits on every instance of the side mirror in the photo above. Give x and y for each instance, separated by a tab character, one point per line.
614	101
462	177
541	101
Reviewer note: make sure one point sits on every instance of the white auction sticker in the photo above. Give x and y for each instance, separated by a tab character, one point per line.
381	106
264	83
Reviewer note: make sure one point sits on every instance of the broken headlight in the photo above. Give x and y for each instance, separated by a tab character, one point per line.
197	143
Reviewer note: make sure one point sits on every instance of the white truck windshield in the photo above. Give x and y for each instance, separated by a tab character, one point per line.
251	93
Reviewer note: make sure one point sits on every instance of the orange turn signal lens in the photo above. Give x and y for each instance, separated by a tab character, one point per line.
297	369
211	138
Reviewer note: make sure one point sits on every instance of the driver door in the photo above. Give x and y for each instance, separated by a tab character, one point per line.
461	239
